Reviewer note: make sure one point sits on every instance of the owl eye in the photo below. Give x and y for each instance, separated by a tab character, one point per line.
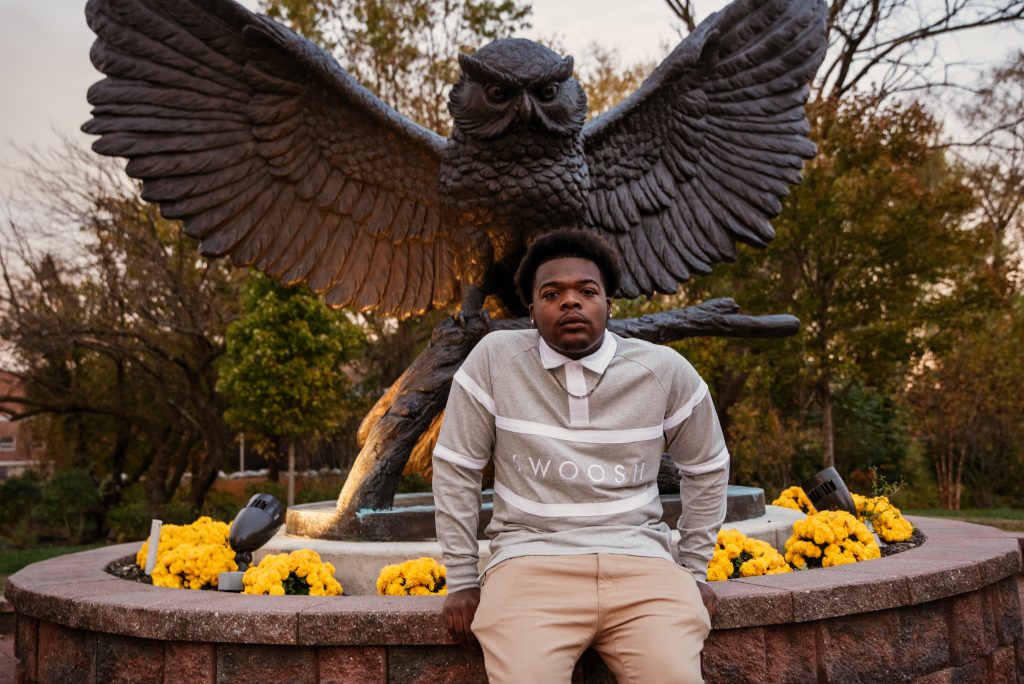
548	92
495	92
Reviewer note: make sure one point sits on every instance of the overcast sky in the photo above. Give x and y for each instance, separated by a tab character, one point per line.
44	50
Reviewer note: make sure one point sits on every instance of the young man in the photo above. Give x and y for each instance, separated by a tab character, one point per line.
575	420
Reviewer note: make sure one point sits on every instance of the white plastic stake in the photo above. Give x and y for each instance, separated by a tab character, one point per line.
154	543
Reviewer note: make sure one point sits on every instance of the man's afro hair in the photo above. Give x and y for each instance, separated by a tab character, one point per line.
567	242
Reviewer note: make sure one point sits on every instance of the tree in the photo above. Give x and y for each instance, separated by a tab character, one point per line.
96	321
969	411
862	245
965	395
997	113
284	371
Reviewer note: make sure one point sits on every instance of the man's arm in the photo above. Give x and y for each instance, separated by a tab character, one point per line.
464	448
457	498
696	445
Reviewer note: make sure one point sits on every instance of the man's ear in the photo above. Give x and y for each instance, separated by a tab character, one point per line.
530	309
608	300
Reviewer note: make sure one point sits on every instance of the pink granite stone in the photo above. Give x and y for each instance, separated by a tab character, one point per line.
226	617
1004	599
194	663
972	629
435	665
75	651
1001	666
828	592
126	660
264	664
374	620
26	642
944	676
791	653
927	579
734	655
347	664
859	648
970	673
743	604
923	644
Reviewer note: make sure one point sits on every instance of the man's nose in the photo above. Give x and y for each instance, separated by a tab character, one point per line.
569	299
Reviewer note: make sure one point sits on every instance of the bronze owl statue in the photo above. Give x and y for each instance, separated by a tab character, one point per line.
275	156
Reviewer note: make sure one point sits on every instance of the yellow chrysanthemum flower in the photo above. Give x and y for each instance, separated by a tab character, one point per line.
298	572
737	555
418	577
885	518
830	538
190	556
795	498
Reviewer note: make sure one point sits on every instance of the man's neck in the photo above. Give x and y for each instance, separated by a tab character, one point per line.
595	358
577	355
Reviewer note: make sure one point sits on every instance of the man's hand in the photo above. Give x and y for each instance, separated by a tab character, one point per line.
459	609
707	595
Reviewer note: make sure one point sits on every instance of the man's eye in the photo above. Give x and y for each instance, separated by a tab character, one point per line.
548	295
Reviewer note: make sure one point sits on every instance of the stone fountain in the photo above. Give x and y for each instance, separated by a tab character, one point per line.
407	531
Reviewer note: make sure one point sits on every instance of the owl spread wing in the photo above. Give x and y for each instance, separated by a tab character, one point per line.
271	152
700	155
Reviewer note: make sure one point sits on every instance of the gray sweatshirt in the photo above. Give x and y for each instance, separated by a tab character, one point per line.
576	475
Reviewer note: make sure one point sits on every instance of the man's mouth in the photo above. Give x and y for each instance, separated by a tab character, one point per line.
572	320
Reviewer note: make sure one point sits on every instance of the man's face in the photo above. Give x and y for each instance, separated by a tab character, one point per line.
570	306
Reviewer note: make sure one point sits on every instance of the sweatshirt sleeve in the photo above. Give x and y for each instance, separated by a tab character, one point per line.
696	445
463	449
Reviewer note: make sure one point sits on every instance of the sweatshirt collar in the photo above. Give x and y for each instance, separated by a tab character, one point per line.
596	362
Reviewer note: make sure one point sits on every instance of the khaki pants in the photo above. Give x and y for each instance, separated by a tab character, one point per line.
538	614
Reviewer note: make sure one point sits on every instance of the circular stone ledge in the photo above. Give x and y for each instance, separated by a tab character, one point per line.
947	609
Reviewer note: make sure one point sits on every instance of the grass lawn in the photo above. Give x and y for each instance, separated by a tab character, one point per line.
13	560
1010	519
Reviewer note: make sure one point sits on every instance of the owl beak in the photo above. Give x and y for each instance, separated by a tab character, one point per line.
524	110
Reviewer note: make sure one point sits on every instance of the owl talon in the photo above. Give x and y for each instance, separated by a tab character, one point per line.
467	319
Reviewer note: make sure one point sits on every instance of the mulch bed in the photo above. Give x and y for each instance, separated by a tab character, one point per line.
126	569
915	540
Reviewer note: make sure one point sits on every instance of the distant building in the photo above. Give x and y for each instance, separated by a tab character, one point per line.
18	450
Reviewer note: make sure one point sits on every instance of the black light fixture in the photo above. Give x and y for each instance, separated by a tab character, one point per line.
827	491
255	524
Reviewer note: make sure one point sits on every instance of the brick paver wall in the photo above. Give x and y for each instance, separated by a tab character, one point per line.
945	612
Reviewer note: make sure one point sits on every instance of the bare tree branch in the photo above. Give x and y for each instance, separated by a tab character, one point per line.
867	34
684	10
